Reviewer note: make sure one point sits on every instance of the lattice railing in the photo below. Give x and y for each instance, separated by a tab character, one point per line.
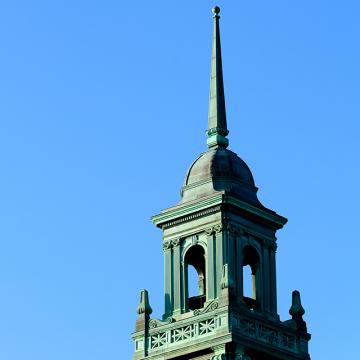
259	331
181	333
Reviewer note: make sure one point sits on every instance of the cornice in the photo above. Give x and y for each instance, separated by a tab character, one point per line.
190	211
186	212
265	213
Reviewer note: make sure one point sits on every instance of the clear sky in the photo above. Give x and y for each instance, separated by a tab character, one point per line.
103	106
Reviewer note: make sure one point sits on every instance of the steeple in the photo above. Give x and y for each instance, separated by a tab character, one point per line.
219	241
217	128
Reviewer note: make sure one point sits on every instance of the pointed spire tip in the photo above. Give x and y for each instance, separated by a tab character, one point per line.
217	127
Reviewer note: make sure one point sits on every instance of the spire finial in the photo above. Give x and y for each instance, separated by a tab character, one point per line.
217	128
216	10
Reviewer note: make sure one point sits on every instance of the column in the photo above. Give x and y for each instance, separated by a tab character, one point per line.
266	278
177	276
185	286
273	291
219	256
210	265
230	238
168	269
239	265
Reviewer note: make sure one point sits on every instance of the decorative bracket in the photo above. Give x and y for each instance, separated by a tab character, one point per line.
168	244
219	353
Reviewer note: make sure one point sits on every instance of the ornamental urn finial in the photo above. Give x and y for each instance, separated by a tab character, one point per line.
144	306
296	310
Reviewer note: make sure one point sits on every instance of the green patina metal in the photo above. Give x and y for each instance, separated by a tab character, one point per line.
219	227
217	128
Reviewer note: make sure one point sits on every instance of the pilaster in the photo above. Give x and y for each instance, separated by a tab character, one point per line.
168	283
210	264
273	294
266	279
178	288
220	257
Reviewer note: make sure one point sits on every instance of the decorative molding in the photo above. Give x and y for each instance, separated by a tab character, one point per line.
191	217
213	305
217	130
216	229
270	243
209	231
154	323
269	216
231	228
182	213
158	340
273	246
263	333
167	245
176	242
219	353
185	332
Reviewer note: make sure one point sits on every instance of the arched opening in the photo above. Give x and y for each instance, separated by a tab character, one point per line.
195	277
250	277
248	290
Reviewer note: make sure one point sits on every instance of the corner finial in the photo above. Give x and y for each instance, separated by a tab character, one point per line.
296	310
144	306
217	128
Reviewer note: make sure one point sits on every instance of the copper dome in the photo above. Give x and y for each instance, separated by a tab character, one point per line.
219	170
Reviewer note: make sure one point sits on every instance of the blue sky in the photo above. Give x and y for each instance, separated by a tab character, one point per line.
103	106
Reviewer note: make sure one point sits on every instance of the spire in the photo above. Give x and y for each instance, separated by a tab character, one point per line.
217	128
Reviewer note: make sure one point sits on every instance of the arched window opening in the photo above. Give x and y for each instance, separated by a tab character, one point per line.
195	277
193	288
248	282
250	277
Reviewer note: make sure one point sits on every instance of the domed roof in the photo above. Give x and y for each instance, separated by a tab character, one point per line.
219	169
219	162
